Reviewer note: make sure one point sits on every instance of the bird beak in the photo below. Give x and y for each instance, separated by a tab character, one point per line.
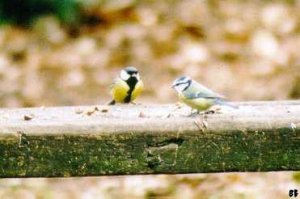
173	86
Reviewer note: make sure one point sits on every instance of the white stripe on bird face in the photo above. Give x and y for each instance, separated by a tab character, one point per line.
138	76
181	87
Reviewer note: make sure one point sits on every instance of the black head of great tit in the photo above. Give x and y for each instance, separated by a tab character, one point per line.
127	86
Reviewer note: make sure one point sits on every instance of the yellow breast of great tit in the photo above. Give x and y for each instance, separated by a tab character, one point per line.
137	90
122	93
201	104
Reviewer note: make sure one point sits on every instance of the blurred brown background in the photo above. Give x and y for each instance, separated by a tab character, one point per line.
70	54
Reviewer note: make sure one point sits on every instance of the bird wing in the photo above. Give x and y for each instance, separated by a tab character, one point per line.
204	95
117	81
199	91
113	84
119	90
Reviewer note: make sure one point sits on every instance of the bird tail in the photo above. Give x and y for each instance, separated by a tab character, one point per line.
225	103
112	102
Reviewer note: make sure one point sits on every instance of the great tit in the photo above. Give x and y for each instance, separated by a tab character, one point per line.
127	86
196	95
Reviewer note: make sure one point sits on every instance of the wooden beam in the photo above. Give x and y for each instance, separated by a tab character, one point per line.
148	139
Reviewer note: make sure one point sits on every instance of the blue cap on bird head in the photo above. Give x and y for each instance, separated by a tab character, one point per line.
181	80
182	83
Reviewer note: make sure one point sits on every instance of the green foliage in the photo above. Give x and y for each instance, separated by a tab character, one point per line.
25	12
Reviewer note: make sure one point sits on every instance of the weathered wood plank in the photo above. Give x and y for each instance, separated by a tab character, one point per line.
146	139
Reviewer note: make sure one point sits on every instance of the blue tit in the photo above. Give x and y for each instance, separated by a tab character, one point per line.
127	86
196	95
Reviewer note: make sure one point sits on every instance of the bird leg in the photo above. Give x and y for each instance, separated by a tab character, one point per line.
213	110
112	102
209	112
194	112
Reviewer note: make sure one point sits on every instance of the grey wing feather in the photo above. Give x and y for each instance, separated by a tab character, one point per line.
199	91
113	83
202	95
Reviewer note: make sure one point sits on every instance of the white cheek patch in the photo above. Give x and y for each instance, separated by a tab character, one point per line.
138	76
180	87
124	75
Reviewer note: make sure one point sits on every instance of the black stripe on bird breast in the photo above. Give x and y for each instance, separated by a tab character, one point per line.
131	82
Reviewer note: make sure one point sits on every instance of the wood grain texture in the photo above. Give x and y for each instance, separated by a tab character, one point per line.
148	139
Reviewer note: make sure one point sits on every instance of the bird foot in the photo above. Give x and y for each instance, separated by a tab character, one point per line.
134	103
204	113
213	110
209	112
194	113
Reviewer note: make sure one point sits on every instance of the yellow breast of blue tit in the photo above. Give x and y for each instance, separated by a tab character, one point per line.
201	104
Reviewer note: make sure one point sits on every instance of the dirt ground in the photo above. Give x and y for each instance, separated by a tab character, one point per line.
246	50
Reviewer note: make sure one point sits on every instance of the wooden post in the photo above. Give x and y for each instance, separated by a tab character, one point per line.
148	139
